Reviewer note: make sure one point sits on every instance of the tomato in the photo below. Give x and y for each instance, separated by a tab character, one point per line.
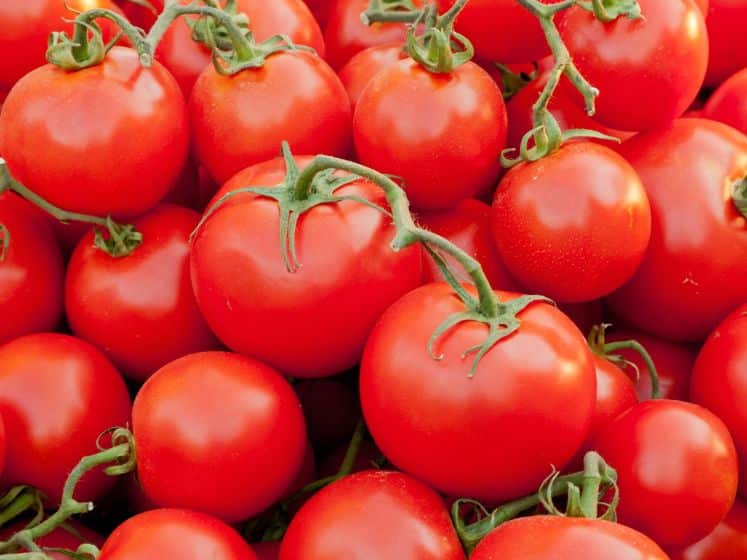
47	435
573	226
488	437
69	537
31	274
545	537
719	380
442	133
695	268
139	309
648	70
727	104
725	29
186	59
728	539
267	550
241	120
320	9
331	409
312	322
677	470
362	67
703	5
25	27
175	533
371	515
227	427
140	15
62	147
468	227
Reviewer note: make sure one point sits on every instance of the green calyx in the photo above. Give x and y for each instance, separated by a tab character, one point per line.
739	195
213	33
4	241
609	10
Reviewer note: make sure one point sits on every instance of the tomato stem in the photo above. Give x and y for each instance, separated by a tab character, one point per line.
636	346
18	500
739	196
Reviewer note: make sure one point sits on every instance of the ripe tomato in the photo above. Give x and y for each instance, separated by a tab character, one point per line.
648	70
546	537
31	274
373	514
292	320
331	409
361	68
175	533
46	434
62	147
139	309
728	104
227	427
719	380
267	550
573	226
728	540
69	537
486	437
677	470
241	120
695	268
442	133
725	29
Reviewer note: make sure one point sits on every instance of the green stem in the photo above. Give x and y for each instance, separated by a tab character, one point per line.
82	27
636	346
26	500
381	11
739	196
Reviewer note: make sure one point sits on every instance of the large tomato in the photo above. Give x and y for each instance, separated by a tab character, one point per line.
57	395
360	69
695	269
140	309
728	53
228	428
312	322
677	470
489	437
726	542
728	104
442	133
648	70
119	154
371	515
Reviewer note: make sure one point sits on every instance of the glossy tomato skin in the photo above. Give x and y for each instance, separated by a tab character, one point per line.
725	27
573	226
371	515
227	427
31	274
348	276
677	470
691	277
719	381
362	67
545	537
648	70
728	540
59	538
47	435
241	120
54	146
442	133
485	437
175	533
728	104
140	309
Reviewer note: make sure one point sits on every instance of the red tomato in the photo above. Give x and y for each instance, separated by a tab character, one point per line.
312	322
468	227
227	427
361	68
331	409
719	380
573	226
648	70
139	309
46	434
442	133
267	550
175	533
320	9
695	268
488	437
728	104
728	540
728	54
241	120
703	5
31	274
119	156
371	515
677	470
546	537
69	537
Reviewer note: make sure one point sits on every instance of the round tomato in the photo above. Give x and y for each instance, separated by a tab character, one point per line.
695	269
677	470
227	427
441	133
70	537
728	104
648	70
370	515
31	274
728	54
728	540
119	155
58	394
487	437
139	309
175	533
361	68
573	226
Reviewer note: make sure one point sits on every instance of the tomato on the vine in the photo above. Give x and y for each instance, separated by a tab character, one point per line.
726	542
361	68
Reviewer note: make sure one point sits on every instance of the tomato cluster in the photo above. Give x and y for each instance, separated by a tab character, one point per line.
373	279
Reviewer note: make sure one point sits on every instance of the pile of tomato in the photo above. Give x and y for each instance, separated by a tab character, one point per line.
373	279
